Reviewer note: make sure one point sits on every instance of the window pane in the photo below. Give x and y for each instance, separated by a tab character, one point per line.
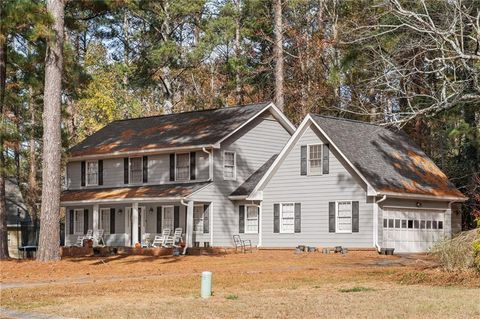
434	224
183	166
79	221
390	223
385	223
429	224
344	216
422	224
167	218
229	158
410	224
229	165
440	224
416	224
404	223
397	223
198	218
92	173
288	218
315	159
136	174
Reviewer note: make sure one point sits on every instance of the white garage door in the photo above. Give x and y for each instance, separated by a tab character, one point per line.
412	230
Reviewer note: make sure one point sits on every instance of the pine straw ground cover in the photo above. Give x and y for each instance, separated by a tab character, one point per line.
264	284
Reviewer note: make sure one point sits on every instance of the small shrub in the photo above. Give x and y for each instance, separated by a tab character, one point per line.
355	289
456	253
231	297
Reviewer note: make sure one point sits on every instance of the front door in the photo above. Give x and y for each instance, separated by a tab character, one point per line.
129	224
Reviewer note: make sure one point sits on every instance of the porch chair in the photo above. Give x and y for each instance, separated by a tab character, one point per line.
159	241
242	244
98	237
171	241
79	242
146	242
89	234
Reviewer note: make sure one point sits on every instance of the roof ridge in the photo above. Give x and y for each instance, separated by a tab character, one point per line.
347	120
194	111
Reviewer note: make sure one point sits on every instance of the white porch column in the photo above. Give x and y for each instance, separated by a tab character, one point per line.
189	233
96	217
135	238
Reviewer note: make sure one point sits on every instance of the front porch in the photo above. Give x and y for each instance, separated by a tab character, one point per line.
129	223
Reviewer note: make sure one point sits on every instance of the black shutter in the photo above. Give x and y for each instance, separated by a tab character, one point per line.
159	219
100	172
331	217
176	217
355	217
145	169
70	223
82	172
172	167
112	220
326	155
303	160
85	221
125	170
192	166
241	219
276	218
206	219
298	217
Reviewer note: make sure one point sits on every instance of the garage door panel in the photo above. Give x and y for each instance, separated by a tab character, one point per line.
412	230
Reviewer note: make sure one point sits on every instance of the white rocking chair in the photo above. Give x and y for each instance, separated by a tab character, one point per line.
159	241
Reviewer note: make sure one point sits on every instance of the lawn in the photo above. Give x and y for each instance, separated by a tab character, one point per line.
263	284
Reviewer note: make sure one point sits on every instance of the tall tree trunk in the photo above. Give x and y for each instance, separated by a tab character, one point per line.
32	197
238	85
166	73
3	78
50	215
278	54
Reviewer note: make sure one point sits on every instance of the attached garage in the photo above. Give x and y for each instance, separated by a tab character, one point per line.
412	230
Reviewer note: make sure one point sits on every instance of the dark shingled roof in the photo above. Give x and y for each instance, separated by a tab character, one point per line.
247	187
186	129
166	190
387	158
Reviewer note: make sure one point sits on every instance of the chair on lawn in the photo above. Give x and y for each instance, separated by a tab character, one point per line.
172	241
159	241
242	244
98	237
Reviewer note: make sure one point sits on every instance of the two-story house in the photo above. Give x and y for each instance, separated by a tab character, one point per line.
142	175
247	170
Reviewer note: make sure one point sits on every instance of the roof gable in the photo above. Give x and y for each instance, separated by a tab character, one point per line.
180	130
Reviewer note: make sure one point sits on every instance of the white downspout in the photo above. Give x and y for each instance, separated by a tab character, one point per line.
375	222
210	163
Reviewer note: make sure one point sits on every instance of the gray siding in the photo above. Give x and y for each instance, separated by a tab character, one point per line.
314	193
253	145
158	171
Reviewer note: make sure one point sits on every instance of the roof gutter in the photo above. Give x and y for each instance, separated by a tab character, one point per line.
425	197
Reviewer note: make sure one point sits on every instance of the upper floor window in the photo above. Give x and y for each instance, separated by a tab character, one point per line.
183	167
136	170
229	166
315	159
92	173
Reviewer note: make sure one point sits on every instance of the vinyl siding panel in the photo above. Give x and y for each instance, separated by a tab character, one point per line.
314	193
253	145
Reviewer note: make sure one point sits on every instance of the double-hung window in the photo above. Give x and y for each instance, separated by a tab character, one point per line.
344	217
167	218
92	173
229	166
251	219
78	220
136	170
183	167
198	218
287	218
315	159
105	220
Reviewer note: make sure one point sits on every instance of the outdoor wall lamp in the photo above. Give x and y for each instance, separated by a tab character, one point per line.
418	204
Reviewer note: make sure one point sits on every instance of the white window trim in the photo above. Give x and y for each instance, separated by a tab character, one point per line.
234	178
173	217
75	212
258	219
281	218
100	213
189	168
130	170
336	217
321	159
203	217
86	173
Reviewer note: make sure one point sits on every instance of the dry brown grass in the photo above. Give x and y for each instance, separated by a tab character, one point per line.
266	284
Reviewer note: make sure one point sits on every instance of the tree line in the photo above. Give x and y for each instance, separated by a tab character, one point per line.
67	68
